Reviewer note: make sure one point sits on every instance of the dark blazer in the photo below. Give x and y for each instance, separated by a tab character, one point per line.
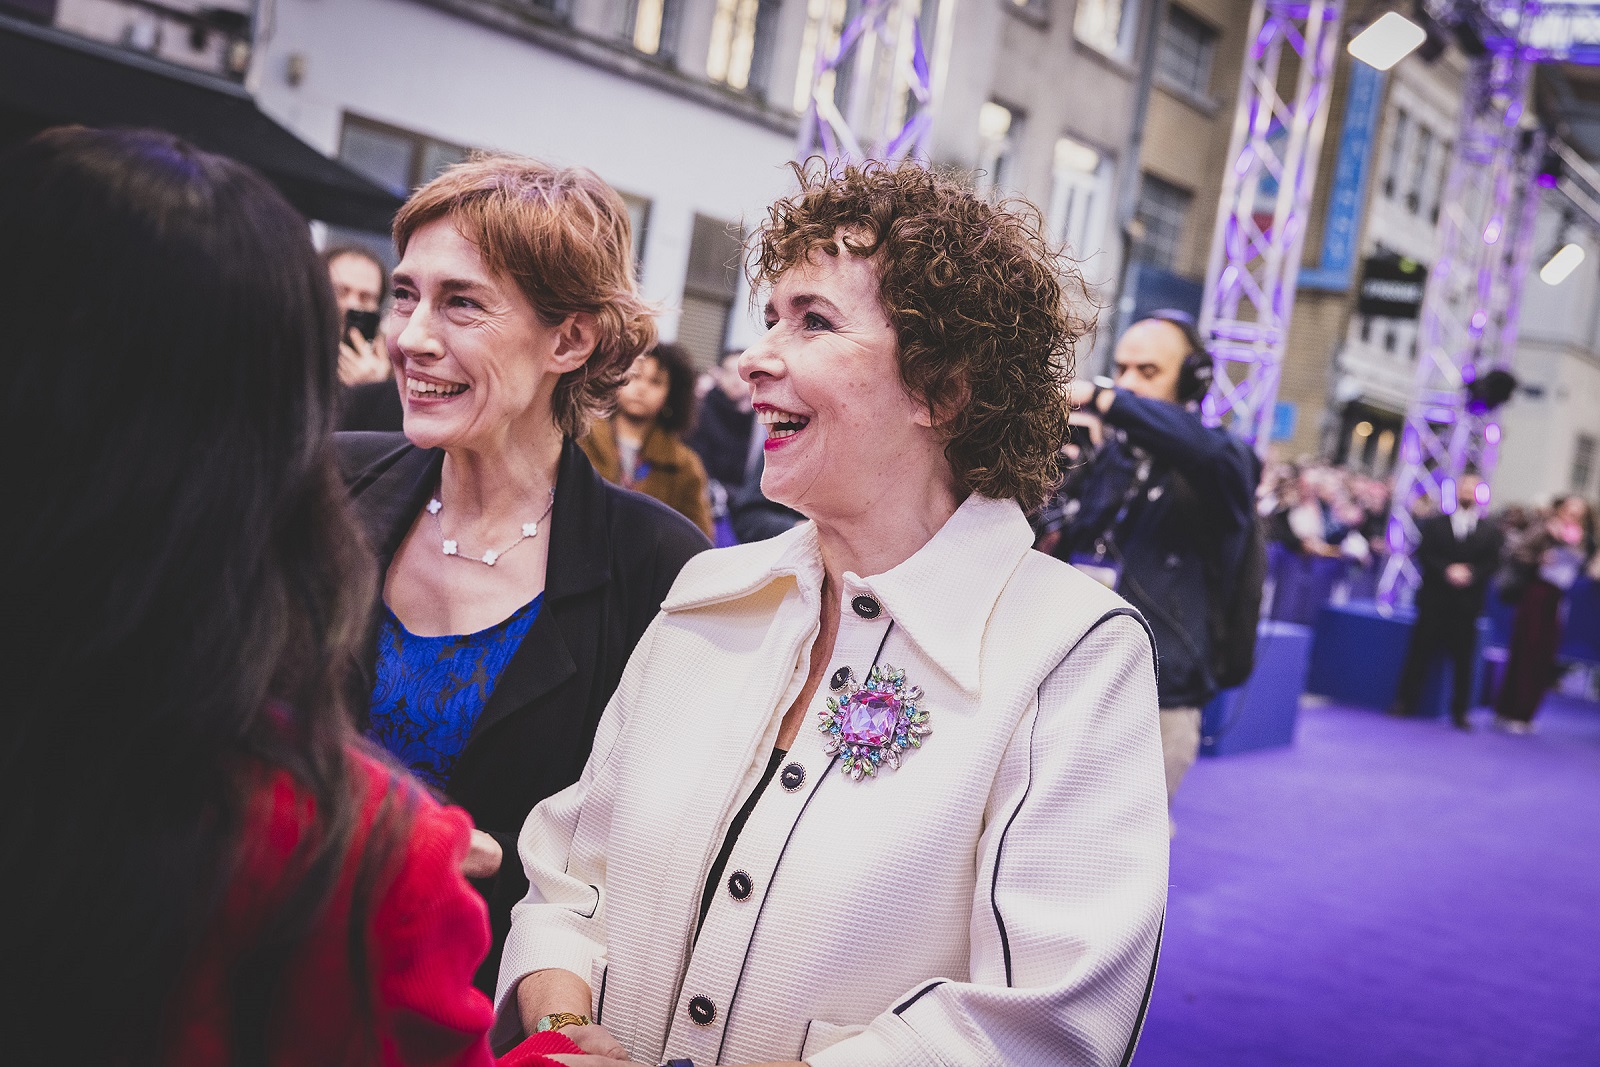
613	556
373	406
1184	535
1437	548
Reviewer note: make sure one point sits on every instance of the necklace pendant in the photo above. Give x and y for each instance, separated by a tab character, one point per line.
489	557
873	724
434	506
530	529
449	548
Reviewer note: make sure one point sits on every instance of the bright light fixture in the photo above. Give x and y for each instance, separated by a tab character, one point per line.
1387	41
1562	264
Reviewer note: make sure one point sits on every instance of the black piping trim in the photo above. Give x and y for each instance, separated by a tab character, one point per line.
744	963
600	1001
1149	986
596	903
900	1008
994	881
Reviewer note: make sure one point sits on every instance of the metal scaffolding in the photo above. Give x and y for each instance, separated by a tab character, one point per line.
873	86
1469	317
1266	198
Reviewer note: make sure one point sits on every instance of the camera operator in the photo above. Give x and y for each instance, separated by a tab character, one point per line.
1160	510
369	399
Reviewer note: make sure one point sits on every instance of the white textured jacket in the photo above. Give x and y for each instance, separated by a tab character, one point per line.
998	899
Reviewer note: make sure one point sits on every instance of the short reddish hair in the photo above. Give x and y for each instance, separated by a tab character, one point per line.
564	237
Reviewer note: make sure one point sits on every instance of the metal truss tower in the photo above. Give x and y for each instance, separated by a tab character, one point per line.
873	88
1469	318
1266	197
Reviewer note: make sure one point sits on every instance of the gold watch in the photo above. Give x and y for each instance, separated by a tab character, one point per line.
560	1019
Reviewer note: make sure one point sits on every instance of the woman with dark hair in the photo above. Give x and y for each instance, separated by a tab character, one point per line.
641	445
1548	559
515	580
205	866
885	790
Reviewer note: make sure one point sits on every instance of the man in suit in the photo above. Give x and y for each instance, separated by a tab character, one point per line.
1457	555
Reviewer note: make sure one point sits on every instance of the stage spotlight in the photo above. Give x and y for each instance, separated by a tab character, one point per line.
1562	264
1387	41
1490	391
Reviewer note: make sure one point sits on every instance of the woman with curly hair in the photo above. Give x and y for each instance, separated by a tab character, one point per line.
515	582
641	445
885	789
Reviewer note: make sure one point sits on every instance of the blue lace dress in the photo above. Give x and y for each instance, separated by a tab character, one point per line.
431	690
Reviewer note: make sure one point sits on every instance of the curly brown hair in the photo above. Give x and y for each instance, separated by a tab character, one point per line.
978	300
563	236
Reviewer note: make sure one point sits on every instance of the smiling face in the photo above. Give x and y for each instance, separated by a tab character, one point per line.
825	381
476	362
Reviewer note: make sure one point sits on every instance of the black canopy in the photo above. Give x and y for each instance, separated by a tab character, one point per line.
48	78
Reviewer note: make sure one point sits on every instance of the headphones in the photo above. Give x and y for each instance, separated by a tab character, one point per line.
1194	377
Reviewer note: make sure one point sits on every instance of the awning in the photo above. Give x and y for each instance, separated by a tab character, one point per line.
48	78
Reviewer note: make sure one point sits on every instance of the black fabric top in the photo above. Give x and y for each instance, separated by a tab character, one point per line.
714	878
613	555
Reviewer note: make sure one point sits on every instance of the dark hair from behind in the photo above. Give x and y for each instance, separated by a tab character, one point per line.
187	587
677	416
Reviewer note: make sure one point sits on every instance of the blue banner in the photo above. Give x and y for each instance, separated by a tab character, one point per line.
1341	230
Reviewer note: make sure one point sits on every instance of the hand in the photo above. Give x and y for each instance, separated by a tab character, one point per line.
1458	575
596	1041
1048	541
1079	393
1097	432
483	858
362	362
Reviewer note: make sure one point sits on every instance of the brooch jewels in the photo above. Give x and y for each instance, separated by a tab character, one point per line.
872	724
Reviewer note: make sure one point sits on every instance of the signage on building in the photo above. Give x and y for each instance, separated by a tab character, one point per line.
1392	287
1341	228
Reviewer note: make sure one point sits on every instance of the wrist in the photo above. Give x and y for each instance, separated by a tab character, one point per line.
558	1020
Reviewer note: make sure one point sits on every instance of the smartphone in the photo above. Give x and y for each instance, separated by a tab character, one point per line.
364	321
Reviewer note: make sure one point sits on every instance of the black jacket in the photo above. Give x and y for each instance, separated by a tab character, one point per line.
721	437
1184	533
613	556
1437	548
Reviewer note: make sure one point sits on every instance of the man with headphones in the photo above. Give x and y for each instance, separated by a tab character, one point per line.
1161	510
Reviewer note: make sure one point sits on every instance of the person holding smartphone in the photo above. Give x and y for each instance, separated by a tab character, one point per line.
369	399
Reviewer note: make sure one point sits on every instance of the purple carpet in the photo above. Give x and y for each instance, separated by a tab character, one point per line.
1387	892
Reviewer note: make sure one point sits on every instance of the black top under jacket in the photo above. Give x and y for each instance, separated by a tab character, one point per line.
613	556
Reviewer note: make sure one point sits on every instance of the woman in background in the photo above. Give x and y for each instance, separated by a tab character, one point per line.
641	445
1551	556
206	866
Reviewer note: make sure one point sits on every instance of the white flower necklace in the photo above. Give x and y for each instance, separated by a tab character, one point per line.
491	557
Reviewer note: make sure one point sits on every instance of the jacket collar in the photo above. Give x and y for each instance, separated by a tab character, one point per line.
942	596
393	491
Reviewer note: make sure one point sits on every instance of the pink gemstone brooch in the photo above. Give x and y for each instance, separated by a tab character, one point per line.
873	724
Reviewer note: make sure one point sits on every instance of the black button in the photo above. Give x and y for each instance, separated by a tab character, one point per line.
702	1012
739	885
793	777
866	607
840	679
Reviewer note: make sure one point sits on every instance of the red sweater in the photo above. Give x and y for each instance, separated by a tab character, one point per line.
427	932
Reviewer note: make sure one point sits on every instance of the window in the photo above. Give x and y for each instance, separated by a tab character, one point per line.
824	24
1079	177
1163	211
1397	152
1391	339
1106	25
1366	329
1584	448
708	288
740	30
638	223
1184	57
1446	154
396	159
655	26
999	133
1422	170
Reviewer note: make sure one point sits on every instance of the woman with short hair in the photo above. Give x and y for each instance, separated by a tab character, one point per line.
515	581
640	445
886	789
